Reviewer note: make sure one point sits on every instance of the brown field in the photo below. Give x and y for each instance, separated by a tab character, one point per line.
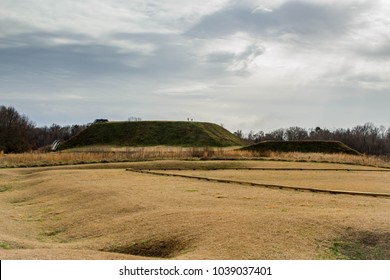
102	211
107	154
355	180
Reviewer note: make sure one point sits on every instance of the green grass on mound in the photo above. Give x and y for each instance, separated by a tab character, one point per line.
304	146
154	133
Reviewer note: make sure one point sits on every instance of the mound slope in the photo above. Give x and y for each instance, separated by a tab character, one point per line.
154	133
304	146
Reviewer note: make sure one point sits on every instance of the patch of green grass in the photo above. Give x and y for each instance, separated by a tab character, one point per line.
4	245
7	245
54	232
360	246
5	188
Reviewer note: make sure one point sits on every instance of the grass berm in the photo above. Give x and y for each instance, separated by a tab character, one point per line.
302	146
154	133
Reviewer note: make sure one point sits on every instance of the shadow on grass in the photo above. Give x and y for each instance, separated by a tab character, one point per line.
160	248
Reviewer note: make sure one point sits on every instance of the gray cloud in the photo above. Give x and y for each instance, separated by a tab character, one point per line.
40	50
76	56
244	60
238	63
303	18
378	52
220	57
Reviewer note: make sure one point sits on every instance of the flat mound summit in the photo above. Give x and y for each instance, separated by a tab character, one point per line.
154	133
303	146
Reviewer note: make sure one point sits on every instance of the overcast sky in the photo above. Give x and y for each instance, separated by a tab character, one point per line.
250	65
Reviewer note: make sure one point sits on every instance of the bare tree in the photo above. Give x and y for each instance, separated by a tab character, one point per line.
239	134
15	131
296	133
366	138
277	134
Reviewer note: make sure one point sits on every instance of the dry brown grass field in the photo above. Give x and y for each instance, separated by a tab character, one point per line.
351	180
108	154
102	211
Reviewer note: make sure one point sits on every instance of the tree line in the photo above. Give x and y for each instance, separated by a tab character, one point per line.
18	134
366	138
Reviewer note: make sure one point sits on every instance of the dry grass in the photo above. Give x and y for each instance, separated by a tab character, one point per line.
74	213
363	181
109	154
128	154
333	158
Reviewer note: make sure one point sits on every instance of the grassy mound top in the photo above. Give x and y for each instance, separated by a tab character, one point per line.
304	146
154	133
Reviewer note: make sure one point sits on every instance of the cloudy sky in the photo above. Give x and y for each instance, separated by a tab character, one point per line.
250	65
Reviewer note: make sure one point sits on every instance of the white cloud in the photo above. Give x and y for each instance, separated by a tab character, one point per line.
261	9
97	18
